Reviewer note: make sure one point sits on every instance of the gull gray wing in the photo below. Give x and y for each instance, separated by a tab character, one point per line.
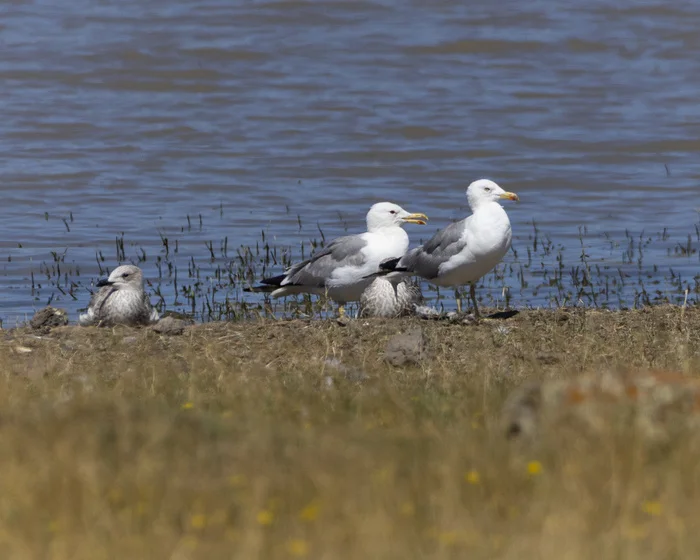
343	251
425	260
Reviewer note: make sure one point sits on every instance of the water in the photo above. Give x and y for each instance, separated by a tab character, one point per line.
130	116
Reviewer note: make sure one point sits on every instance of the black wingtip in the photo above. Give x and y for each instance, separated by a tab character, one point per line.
274	280
267	284
391	265
260	288
388	266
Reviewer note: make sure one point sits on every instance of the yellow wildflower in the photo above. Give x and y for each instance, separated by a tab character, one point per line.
265	517
237	480
141	507
408	509
472	477
198	521
187	405
534	468
652	508
382	475
310	512
115	496
298	548
448	537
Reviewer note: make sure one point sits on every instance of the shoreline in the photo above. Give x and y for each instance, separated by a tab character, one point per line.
559	332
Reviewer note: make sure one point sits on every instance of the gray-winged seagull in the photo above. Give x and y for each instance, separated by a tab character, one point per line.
342	268
464	251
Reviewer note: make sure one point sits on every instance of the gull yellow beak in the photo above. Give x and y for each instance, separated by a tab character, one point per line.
510	196
420	219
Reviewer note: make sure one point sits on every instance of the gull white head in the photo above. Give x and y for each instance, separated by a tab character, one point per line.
387	214
123	277
484	191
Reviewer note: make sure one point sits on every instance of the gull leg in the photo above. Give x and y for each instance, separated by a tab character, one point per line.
458	299
472	295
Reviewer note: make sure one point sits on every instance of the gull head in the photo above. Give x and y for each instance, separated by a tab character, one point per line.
124	277
388	214
484	190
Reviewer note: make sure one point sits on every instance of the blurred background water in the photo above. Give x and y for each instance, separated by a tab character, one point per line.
121	119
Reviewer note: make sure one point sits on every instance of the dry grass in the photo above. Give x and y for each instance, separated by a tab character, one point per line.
244	441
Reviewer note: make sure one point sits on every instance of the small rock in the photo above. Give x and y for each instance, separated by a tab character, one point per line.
49	317
22	350
170	326
406	348
343	320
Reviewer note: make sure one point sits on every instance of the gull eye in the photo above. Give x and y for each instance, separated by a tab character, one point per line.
487	189
392	211
125	275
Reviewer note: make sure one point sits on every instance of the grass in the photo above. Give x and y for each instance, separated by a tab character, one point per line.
249	440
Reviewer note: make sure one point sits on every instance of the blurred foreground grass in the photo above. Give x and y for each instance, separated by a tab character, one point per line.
247	440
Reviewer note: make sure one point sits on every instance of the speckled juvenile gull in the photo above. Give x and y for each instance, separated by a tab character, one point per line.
121	300
464	251
384	298
341	270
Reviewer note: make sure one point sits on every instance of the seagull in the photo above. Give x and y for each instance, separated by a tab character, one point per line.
342	269
464	251
384	298
121	300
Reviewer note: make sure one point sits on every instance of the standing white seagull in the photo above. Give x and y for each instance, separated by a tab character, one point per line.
464	251
121	300
343	268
